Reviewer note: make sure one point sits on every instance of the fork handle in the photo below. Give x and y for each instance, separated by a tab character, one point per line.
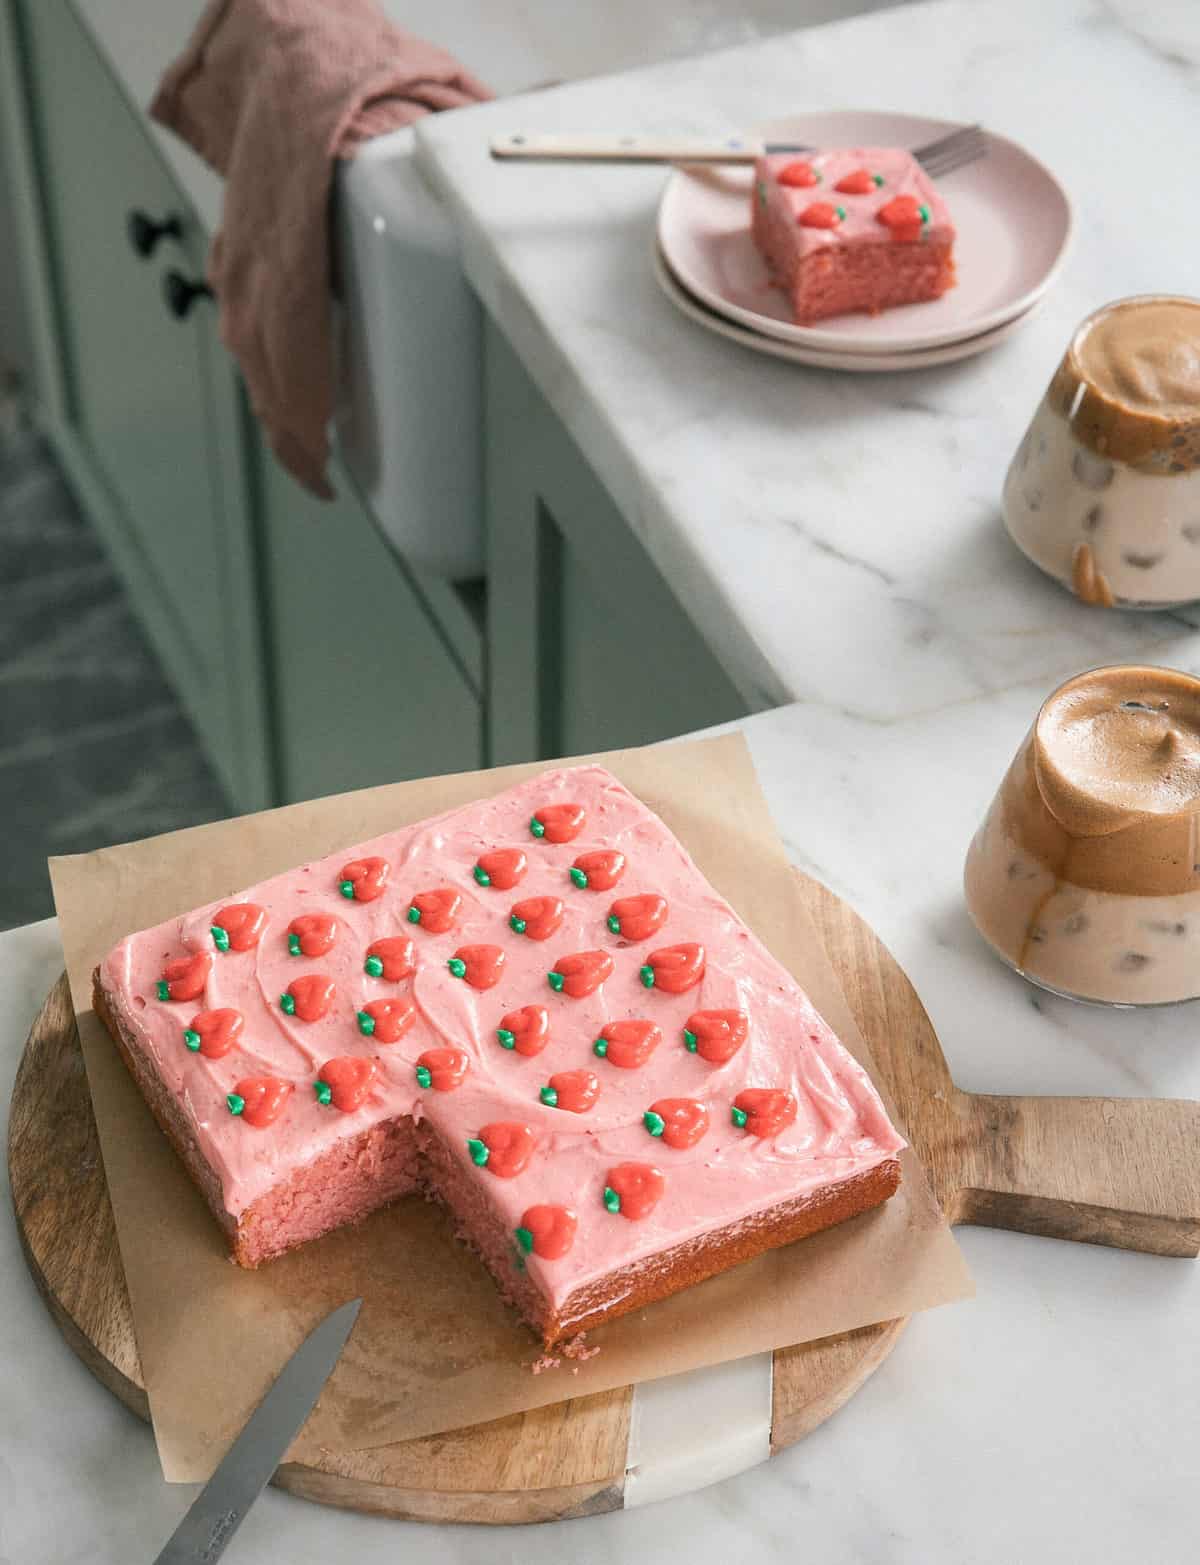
627	149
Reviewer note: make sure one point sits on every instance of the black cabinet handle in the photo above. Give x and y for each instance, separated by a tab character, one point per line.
145	233
181	293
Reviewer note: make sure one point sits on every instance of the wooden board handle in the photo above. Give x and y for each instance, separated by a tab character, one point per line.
1116	1171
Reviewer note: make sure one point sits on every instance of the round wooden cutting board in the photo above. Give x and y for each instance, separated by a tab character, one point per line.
1106	1171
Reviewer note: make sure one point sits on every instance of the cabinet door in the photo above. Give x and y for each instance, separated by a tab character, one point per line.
151	397
367	688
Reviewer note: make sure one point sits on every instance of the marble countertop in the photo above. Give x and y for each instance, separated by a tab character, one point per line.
837	535
1055	1417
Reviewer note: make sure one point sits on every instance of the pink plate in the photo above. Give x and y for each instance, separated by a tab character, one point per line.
1013	220
827	358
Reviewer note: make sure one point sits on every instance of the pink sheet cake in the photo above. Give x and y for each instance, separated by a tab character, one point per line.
861	229
534	1008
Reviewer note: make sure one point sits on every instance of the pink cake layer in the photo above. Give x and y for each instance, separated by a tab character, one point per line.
316	1166
859	265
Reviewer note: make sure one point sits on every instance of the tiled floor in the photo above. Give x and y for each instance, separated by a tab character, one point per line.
94	748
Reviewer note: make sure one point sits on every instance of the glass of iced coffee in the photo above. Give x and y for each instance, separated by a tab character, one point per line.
1104	491
1085	875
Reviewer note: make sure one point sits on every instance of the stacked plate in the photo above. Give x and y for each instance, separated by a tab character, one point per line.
1014	226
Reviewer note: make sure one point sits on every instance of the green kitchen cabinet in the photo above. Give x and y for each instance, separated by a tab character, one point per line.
589	648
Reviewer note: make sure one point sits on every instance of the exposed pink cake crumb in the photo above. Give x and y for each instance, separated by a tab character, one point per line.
547	1361
577	1348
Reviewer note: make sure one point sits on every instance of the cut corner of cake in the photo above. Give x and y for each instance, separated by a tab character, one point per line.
851	231
534	1008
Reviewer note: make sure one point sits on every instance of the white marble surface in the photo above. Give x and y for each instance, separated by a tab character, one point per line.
1056	1417
838	535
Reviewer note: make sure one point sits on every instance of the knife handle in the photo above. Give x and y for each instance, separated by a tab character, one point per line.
626	149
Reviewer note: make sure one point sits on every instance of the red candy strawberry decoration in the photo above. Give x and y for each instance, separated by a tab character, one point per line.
238	927
386	1020
527	1030
633	1189
308	998
799	175
637	918
861	182
345	1082
362	880
580	974
501	869
537	917
763	1111
442	1069
213	1033
311	934
681	1122
822	214
628	1044
905	216
716	1036
185	977
503	1148
392	958
598	870
575	1091
479	966
673	969
435	911
549	1231
558	822
259	1100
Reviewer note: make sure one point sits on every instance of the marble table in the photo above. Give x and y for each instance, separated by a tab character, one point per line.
835	535
1055	1417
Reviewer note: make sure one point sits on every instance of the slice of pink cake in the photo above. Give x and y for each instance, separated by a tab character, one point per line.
859	229
534	1008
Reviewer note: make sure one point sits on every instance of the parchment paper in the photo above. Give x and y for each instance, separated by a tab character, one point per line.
434	1348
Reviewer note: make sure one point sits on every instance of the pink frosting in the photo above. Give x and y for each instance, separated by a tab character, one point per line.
841	1128
902	176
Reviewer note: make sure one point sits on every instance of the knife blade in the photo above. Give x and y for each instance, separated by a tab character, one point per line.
245	1469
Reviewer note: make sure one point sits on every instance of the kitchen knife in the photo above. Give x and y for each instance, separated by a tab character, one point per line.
219	1508
636	149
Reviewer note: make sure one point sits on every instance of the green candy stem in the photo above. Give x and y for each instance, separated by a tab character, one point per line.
653	1122
424	1079
614	923
478	1150
346	887
536	827
738	1116
611	1199
234	1104
517	924
877	180
414	915
163	989
924	211
600	1047
481	875
294	945
323	1091
506	1039
191	1039
549	1097
579	876
555	980
524	1239
220	937
841	213
457	966
287	1005
373	967
646	974
366	1023
689	1041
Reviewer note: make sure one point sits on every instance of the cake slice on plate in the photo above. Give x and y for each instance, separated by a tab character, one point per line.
534	1008
857	230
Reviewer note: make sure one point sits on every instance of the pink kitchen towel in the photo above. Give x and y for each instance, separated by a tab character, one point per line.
269	93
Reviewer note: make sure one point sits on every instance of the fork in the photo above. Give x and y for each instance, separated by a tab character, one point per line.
938	157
